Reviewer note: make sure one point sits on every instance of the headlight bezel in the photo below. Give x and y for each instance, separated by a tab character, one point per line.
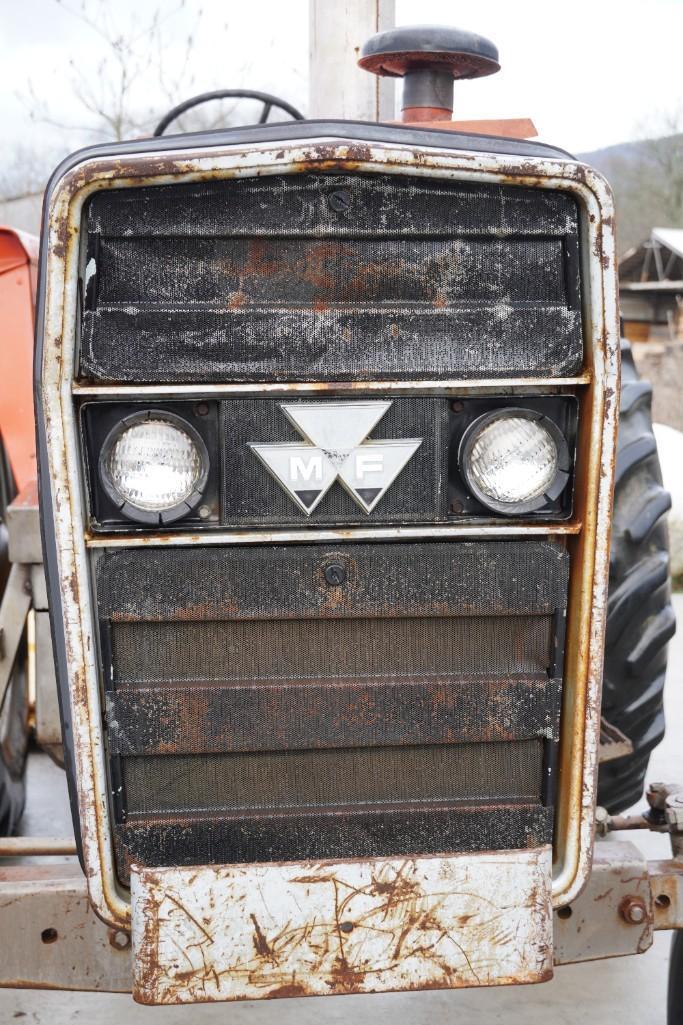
113	507
138	513
559	416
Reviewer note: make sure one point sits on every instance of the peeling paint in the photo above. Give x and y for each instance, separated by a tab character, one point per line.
315	929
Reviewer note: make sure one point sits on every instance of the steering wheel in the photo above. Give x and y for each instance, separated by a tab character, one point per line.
266	99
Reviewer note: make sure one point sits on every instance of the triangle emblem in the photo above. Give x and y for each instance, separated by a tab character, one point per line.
336	449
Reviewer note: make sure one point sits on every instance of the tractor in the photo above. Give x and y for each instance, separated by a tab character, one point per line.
347	563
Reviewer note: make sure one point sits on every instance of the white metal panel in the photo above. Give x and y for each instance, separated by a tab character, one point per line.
244	932
337	86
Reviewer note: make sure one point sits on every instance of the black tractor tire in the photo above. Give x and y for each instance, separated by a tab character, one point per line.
14	709
13	752
640	617
675	989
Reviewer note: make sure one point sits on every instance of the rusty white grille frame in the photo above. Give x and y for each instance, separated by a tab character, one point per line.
581	711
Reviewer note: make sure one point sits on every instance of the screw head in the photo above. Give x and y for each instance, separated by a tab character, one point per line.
339	200
457	406
204	512
335	574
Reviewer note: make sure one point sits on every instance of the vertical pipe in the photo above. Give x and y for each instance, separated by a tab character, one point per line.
337	86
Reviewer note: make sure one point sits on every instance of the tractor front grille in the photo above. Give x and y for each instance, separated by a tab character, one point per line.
257	707
256	712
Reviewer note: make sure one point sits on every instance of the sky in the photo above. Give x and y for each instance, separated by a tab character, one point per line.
590	73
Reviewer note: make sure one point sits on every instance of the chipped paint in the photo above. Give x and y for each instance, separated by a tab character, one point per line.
503	386
261	537
313	929
596	448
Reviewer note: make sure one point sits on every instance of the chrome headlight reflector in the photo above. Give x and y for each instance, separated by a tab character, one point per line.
154	466
514	460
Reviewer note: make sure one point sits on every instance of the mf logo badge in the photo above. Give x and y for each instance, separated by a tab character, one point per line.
336	448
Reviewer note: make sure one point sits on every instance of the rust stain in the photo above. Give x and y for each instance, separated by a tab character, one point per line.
261	945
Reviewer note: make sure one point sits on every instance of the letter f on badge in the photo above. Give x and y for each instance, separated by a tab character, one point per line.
336	449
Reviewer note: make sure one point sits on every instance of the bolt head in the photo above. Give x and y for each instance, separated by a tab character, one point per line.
633	910
119	939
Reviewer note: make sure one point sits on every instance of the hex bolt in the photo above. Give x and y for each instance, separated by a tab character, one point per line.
119	939
457	406
340	200
633	910
602	820
457	506
202	409
204	512
335	574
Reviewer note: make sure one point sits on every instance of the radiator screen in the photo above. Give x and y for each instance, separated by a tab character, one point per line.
256	712
262	279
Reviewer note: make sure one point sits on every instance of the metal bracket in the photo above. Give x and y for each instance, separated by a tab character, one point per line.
16	601
58	942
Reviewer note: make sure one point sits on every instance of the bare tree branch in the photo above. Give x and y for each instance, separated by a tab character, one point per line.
133	70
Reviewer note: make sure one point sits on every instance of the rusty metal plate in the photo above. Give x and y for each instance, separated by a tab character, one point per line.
57	940
614	914
244	932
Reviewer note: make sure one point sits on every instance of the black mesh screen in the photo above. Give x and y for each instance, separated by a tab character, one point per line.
280	582
257	712
261	279
343	272
330	649
321	779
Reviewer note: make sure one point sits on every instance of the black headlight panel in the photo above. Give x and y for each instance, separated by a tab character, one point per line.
192	464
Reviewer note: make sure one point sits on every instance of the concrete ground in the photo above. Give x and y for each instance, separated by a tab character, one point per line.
630	990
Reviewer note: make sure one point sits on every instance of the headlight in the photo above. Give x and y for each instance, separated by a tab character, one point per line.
514	460
154	466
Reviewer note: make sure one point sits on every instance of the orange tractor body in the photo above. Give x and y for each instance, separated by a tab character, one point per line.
18	269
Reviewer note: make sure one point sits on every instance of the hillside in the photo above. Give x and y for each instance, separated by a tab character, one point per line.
647	179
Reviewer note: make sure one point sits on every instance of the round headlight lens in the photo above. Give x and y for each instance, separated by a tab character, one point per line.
153	464
514	460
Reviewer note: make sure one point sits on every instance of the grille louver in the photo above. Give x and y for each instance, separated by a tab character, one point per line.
263	280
